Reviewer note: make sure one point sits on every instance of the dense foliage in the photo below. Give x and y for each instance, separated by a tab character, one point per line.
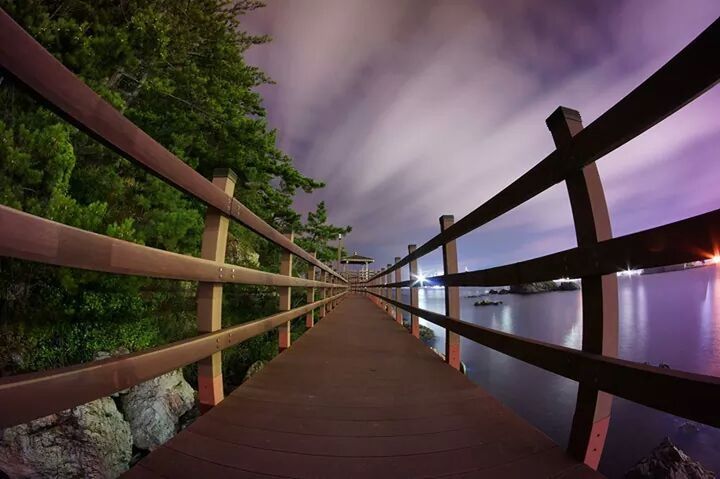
176	69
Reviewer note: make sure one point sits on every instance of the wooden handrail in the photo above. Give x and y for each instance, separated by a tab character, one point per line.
29	237
683	241
685	77
32	66
689	74
28	396
595	261
689	395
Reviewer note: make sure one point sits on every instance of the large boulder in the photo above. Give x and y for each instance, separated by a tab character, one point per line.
667	461
154	407
89	441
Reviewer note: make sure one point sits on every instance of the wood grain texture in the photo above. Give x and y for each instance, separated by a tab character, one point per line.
359	397
33	67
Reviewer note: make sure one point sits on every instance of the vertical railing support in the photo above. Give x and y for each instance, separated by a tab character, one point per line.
381	287
285	297
452	295
398	278
209	295
599	293
414	320
310	316
323	294
387	289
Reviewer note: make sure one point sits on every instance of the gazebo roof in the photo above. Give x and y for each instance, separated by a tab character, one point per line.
357	259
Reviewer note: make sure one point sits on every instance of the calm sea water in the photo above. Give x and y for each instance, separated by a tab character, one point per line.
672	318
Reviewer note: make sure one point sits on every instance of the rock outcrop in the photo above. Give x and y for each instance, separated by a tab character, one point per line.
254	368
426	334
543	287
670	462
88	441
154	407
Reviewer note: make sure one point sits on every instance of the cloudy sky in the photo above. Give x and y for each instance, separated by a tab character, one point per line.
414	109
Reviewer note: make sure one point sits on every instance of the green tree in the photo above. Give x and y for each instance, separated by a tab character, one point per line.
318	235
176	69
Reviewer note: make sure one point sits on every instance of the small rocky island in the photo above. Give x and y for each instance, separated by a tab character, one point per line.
543	287
527	288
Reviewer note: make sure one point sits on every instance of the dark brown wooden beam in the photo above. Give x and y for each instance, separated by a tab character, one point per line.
689	395
28	237
29	396
689	74
692	239
33	67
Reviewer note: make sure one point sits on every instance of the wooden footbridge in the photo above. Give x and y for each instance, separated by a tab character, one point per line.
357	396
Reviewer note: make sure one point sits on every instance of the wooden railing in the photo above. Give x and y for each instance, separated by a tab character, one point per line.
596	260
24	236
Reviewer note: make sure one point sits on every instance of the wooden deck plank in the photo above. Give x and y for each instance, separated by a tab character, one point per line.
357	396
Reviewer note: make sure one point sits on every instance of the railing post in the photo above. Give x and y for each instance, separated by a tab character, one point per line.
285	297
209	295
414	320
333	280
330	279
599	293
328	293
387	289
452	295
321	294
381	287
398	278
324	309
310	316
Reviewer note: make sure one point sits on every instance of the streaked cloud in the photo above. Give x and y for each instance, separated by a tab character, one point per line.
413	109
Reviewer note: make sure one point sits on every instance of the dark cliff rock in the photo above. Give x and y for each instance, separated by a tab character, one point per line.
544	287
667	461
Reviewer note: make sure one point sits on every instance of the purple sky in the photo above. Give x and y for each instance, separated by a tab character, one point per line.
414	109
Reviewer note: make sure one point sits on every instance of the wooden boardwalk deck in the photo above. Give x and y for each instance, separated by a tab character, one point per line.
359	397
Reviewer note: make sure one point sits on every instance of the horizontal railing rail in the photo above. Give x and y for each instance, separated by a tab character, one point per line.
27	396
685	77
689	395
67	95
683	241
28	237
596	260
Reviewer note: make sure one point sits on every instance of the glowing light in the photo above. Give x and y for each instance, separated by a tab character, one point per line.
420	279
630	272
715	259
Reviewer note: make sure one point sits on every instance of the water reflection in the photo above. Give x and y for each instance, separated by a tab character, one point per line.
671	317
710	321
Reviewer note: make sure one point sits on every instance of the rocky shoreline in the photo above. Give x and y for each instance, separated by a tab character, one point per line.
531	288
103	438
668	461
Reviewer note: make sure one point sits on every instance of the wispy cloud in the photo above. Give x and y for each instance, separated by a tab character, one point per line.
410	110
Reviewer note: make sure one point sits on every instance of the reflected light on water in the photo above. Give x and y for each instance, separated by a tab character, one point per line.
573	336
506	320
710	320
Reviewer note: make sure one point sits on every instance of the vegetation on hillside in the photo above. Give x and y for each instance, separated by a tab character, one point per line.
176	69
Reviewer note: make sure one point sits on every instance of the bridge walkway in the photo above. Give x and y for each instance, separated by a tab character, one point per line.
357	396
